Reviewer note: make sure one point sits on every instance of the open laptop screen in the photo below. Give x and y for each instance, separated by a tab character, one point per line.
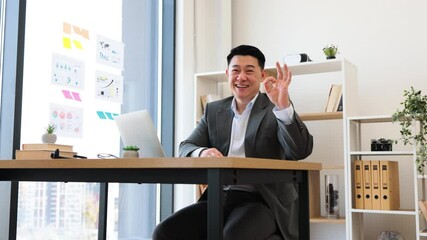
137	129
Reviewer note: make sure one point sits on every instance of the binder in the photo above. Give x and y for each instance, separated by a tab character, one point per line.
390	196
358	185
367	186
375	184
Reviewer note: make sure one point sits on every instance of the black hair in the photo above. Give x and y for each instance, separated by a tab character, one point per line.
247	50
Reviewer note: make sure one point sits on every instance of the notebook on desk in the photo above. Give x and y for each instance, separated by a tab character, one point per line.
137	129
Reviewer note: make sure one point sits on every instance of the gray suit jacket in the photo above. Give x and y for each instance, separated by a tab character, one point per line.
266	137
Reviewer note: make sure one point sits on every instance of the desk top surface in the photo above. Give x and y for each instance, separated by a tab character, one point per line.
175	163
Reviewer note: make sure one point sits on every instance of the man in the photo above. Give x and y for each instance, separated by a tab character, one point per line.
247	124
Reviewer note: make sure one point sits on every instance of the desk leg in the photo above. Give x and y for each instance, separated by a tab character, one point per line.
215	213
304	208
103	204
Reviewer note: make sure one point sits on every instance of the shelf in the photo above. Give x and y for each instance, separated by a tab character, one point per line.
381	153
371	119
310	67
423	233
410	212
338	71
317	116
320	116
297	69
327	220
213	76
332	167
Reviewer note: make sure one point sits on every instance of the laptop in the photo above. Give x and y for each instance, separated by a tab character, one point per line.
137	129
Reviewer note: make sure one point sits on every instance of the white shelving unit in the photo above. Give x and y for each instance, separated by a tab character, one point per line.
309	92
367	224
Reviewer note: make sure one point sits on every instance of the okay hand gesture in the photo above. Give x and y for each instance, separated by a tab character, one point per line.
278	89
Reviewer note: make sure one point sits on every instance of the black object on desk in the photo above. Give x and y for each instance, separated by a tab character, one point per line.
57	155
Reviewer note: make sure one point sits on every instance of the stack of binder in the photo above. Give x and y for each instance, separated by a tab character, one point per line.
376	184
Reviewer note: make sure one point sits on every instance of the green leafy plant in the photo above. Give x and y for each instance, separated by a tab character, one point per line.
50	128
130	148
330	51
413	129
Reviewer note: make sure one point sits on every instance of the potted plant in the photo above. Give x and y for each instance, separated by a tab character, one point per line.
330	51
413	128
130	151
49	136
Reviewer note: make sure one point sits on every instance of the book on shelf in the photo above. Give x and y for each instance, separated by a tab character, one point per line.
47	146
41	154
205	99
339	107
334	98
423	208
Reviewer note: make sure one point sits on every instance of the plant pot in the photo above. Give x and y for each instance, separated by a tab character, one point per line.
48	138
130	154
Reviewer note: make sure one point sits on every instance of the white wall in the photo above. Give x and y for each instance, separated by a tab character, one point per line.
385	39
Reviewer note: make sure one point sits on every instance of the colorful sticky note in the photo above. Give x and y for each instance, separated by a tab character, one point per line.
76	96
77	44
66	28
67	94
66	42
101	114
109	115
82	32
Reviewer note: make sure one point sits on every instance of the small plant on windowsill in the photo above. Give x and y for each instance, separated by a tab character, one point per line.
330	51
130	151
413	128
49	136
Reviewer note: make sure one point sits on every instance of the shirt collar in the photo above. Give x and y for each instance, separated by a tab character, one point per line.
248	107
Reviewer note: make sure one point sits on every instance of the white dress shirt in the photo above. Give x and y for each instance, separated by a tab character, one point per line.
238	132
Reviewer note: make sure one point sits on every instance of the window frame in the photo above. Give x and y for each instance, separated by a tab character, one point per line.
13	15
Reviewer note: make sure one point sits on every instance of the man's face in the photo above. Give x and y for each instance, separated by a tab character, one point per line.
244	76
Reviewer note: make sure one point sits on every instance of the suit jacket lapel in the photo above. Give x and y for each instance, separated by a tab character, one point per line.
257	114
224	121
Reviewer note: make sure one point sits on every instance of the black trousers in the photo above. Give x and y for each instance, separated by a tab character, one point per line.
246	216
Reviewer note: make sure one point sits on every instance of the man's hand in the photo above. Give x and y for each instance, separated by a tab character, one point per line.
278	89
211	152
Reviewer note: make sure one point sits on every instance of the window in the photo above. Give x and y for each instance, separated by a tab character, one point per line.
70	52
2	17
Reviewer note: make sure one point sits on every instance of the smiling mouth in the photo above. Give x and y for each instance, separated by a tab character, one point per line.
241	86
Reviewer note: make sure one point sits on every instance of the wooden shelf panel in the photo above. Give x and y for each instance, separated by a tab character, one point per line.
321	116
332	167
371	119
317	116
381	153
327	220
423	233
